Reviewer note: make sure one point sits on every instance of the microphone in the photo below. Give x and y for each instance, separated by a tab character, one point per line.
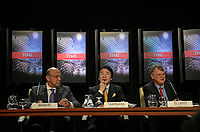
38	88
105	86
173	88
170	83
105	83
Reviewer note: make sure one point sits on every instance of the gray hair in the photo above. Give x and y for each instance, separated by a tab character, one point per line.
154	67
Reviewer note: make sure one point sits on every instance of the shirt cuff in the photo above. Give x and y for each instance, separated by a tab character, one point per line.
71	105
100	92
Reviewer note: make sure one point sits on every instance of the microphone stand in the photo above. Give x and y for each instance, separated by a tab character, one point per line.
105	83
173	89
38	89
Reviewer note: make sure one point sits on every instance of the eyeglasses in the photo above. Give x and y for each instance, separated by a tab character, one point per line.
56	77
159	75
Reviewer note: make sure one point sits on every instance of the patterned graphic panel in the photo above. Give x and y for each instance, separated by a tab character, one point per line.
192	54
115	53
26	56
158	50
71	56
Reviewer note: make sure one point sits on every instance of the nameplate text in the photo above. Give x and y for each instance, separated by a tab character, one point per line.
44	105
115	104
180	104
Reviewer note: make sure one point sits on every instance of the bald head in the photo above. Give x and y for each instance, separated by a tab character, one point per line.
53	76
51	69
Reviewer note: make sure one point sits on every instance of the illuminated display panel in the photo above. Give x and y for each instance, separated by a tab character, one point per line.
114	51
71	56
192	54
158	50
26	56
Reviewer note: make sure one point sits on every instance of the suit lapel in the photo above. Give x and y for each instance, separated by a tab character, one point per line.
110	93
155	90
58	94
43	93
44	96
168	91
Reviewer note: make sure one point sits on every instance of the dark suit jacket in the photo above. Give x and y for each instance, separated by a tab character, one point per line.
61	92
102	123
115	93
150	88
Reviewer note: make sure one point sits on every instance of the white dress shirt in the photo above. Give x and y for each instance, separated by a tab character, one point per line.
107	89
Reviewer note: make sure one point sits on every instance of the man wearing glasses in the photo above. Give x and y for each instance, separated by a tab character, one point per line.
159	86
163	89
53	92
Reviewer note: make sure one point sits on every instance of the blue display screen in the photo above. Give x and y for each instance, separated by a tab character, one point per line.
26	56
158	50
192	54
114	51
71	56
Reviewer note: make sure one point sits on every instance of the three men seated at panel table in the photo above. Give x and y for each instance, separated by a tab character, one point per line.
105	89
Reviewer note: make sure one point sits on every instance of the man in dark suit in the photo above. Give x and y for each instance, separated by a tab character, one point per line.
165	89
62	95
159	86
114	92
109	93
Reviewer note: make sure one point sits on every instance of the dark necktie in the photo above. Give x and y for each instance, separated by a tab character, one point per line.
51	100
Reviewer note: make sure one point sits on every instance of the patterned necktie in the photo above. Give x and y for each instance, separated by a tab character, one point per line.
51	100
105	96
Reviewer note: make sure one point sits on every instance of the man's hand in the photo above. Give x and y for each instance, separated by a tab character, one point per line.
40	101
102	86
64	102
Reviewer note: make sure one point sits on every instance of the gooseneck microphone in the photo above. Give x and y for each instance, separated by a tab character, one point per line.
105	83
38	88
173	88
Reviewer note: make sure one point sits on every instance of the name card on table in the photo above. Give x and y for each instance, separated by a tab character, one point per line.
115	104
44	105
180	104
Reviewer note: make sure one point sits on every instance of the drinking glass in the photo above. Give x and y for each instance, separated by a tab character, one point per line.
85	101
23	102
98	103
162	102
90	102
12	102
152	101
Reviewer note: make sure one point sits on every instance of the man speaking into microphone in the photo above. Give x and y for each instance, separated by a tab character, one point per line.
109	93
